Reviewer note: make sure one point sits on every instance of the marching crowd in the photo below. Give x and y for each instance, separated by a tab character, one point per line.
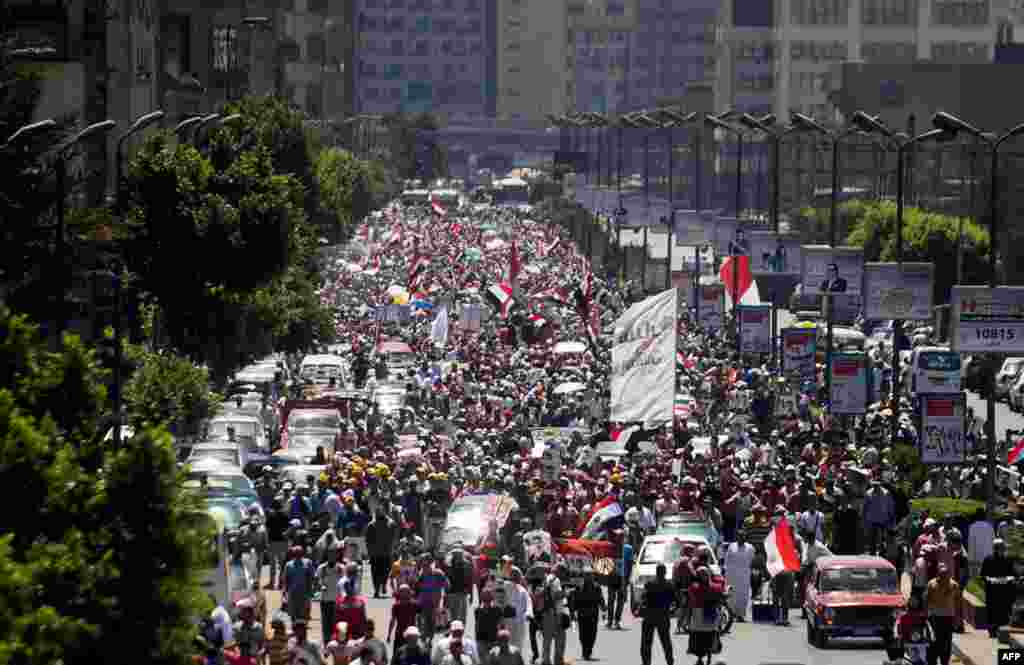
479	388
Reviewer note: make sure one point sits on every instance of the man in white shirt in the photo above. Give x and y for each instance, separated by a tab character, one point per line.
980	536
812	519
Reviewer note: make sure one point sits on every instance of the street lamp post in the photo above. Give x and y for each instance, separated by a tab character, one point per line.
717	122
954	125
140	123
62	259
767	126
805	123
903	143
184	128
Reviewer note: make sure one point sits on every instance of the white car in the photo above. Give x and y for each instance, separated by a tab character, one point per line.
666	549
217	454
249	429
1007	376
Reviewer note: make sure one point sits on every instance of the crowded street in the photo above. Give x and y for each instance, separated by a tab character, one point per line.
463	477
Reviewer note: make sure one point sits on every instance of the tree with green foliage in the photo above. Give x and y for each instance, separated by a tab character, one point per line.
100	556
415	153
345	187
167	390
927	237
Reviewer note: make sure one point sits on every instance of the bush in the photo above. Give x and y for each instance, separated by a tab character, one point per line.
938	509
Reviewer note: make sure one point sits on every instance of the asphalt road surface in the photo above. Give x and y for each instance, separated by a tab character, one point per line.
747	644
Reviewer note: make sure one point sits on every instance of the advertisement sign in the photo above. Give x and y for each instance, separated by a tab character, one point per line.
894	291
849	384
692	228
988	320
643	372
798	348
942	429
817	276
772	253
712	306
755	328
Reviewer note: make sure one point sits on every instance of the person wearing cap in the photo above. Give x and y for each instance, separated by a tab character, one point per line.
999	595
302	651
456	634
941	600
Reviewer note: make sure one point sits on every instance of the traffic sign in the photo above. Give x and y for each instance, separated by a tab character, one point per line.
988	320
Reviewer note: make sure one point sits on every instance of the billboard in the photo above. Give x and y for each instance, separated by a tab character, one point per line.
755	328
831	269
849	384
712	306
988	320
942	429
895	291
798	348
774	253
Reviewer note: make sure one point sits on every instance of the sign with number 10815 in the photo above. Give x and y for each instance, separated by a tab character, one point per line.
990	335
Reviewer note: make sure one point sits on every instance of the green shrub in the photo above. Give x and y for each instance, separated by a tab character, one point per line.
938	509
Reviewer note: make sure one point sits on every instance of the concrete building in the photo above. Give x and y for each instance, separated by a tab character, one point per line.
426	56
783	55
531	52
598	54
317	36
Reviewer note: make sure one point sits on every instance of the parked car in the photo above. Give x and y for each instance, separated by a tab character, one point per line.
1007	376
852	596
217	454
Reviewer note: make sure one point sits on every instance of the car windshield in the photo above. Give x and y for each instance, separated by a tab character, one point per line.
242	428
298	422
321	373
661	551
228	515
224	482
214	455
864	580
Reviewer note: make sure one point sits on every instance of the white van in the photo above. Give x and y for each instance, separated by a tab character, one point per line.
320	369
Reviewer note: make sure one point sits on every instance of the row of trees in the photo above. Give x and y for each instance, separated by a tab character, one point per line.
101	553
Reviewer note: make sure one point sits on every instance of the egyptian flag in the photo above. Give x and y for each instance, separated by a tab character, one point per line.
555	293
437	208
607	514
1016	453
780	549
745	286
500	296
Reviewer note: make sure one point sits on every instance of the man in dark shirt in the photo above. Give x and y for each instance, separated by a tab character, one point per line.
658	599
380	542
277	527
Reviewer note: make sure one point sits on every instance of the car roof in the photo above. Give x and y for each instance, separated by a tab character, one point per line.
853	561
223	444
323	359
235	416
684	538
314	412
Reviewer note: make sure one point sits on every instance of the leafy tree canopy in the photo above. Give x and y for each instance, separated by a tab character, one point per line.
927	237
103	547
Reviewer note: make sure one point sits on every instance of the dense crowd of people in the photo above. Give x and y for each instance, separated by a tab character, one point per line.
524	347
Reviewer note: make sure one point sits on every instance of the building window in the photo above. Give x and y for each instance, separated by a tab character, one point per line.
316	6
513	46
472	5
615	9
576	10
753	14
314	99
820	12
889	12
174	31
225	48
888	53
960	13
818	51
959	52
397	47
316	49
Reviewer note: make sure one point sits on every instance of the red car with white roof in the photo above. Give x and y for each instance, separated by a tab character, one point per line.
852	596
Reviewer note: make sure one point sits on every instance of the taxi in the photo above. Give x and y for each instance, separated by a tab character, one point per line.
852	596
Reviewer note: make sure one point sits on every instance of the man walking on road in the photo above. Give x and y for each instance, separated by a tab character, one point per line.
739	561
658	599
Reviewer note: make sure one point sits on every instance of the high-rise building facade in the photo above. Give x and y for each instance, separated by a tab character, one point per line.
426	56
672	52
598	39
531	53
784	55
315	37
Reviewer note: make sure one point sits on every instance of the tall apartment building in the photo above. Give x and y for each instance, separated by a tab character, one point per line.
531	54
598	54
783	55
426	56
316	37
672	53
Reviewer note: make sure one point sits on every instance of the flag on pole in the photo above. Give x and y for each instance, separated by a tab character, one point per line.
780	549
736	276
501	297
439	329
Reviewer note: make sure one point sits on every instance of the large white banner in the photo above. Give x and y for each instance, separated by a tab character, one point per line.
643	375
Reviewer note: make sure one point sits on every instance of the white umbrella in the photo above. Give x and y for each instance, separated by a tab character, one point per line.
353	267
395	290
570	347
569	387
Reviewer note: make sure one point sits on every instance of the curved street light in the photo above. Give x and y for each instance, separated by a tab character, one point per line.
140	123
27	131
182	128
